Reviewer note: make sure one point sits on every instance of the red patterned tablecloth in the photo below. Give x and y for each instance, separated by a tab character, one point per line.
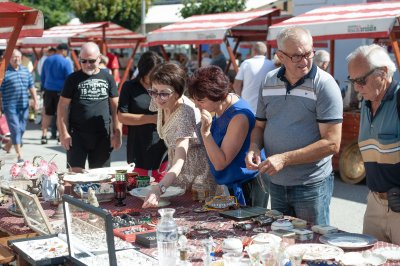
211	222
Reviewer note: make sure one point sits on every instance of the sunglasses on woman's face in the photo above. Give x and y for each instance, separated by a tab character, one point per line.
163	95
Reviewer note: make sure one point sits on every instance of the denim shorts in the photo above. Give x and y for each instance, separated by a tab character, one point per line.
309	202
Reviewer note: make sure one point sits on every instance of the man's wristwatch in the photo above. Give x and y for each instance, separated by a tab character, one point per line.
162	188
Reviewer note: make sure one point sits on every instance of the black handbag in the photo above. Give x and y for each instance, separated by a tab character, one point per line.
393	196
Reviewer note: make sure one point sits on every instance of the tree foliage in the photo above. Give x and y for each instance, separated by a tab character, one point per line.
126	13
55	12
193	7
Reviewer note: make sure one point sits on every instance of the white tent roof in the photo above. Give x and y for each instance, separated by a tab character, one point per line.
75	35
371	20
207	29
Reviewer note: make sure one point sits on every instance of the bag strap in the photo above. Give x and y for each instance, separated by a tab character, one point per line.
398	102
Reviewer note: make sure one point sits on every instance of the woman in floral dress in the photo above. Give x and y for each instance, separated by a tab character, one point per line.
176	125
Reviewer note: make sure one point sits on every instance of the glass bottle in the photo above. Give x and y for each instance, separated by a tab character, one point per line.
167	238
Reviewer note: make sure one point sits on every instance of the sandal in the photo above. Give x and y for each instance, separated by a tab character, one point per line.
44	140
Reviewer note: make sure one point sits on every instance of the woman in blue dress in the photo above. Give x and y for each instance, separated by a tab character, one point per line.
226	135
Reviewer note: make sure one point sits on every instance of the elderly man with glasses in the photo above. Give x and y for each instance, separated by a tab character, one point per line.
87	112
371	74
299	121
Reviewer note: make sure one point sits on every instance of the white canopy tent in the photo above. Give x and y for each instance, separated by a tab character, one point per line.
216	28
371	20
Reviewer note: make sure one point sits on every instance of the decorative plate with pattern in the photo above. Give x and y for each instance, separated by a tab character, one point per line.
315	251
348	240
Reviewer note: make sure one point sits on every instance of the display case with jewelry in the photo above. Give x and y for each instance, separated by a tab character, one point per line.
91	240
50	248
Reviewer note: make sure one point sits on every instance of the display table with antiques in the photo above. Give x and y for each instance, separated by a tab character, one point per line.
208	231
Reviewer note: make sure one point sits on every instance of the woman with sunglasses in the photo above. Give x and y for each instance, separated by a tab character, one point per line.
176	125
226	136
144	146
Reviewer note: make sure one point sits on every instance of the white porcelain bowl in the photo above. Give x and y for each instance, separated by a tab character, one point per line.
232	245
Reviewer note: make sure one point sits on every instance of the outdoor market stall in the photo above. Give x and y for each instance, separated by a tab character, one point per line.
378	21
107	34
217	28
198	225
17	21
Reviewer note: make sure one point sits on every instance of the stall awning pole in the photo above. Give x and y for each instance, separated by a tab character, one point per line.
10	46
128	66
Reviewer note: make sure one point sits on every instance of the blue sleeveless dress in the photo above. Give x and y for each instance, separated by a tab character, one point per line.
236	172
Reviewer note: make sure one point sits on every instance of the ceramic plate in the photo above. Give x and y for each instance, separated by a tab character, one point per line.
348	240
313	252
111	170
86	177
359	259
170	192
390	253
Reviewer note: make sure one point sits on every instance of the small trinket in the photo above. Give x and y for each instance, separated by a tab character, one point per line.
200	210
243	226
263	220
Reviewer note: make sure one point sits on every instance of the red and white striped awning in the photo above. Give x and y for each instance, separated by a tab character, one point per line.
115	35
208	29
371	20
11	13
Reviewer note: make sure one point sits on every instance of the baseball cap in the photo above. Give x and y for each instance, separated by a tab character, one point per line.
62	46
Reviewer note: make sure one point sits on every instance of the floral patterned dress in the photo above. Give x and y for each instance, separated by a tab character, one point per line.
182	124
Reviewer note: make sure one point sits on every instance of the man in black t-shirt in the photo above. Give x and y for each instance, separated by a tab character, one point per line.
87	111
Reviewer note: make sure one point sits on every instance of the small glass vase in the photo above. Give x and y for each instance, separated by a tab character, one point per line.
120	192
167	237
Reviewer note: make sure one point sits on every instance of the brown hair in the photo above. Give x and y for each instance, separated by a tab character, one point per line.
208	82
170	74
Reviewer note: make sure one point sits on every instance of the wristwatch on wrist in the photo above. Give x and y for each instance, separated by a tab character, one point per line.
162	188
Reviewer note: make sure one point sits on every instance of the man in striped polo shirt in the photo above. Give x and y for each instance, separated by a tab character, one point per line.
371	74
299	121
15	99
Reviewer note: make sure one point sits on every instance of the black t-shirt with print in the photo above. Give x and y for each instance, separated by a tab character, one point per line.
144	146
90	108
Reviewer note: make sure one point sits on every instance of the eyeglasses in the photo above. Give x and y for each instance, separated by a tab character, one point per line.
90	61
298	57
361	81
163	95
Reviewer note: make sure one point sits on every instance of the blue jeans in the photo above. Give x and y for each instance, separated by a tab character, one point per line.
16	120
308	202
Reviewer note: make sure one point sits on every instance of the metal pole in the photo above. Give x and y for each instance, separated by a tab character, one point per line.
143	17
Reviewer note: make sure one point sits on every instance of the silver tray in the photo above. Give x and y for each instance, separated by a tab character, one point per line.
348	240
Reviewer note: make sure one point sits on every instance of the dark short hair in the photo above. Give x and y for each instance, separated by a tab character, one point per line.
170	74
147	62
208	82
62	46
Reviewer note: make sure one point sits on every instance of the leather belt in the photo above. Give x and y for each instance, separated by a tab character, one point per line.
381	195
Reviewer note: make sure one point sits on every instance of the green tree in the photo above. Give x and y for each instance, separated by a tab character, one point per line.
193	7
126	13
55	12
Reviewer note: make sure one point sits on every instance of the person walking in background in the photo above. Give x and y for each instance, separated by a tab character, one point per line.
144	146
226	136
371	74
299	122
217	57
87	111
49	53
55	70
322	59
251	74
113	65
176	124
15	100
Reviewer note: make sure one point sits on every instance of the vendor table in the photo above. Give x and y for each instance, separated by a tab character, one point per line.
206	223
